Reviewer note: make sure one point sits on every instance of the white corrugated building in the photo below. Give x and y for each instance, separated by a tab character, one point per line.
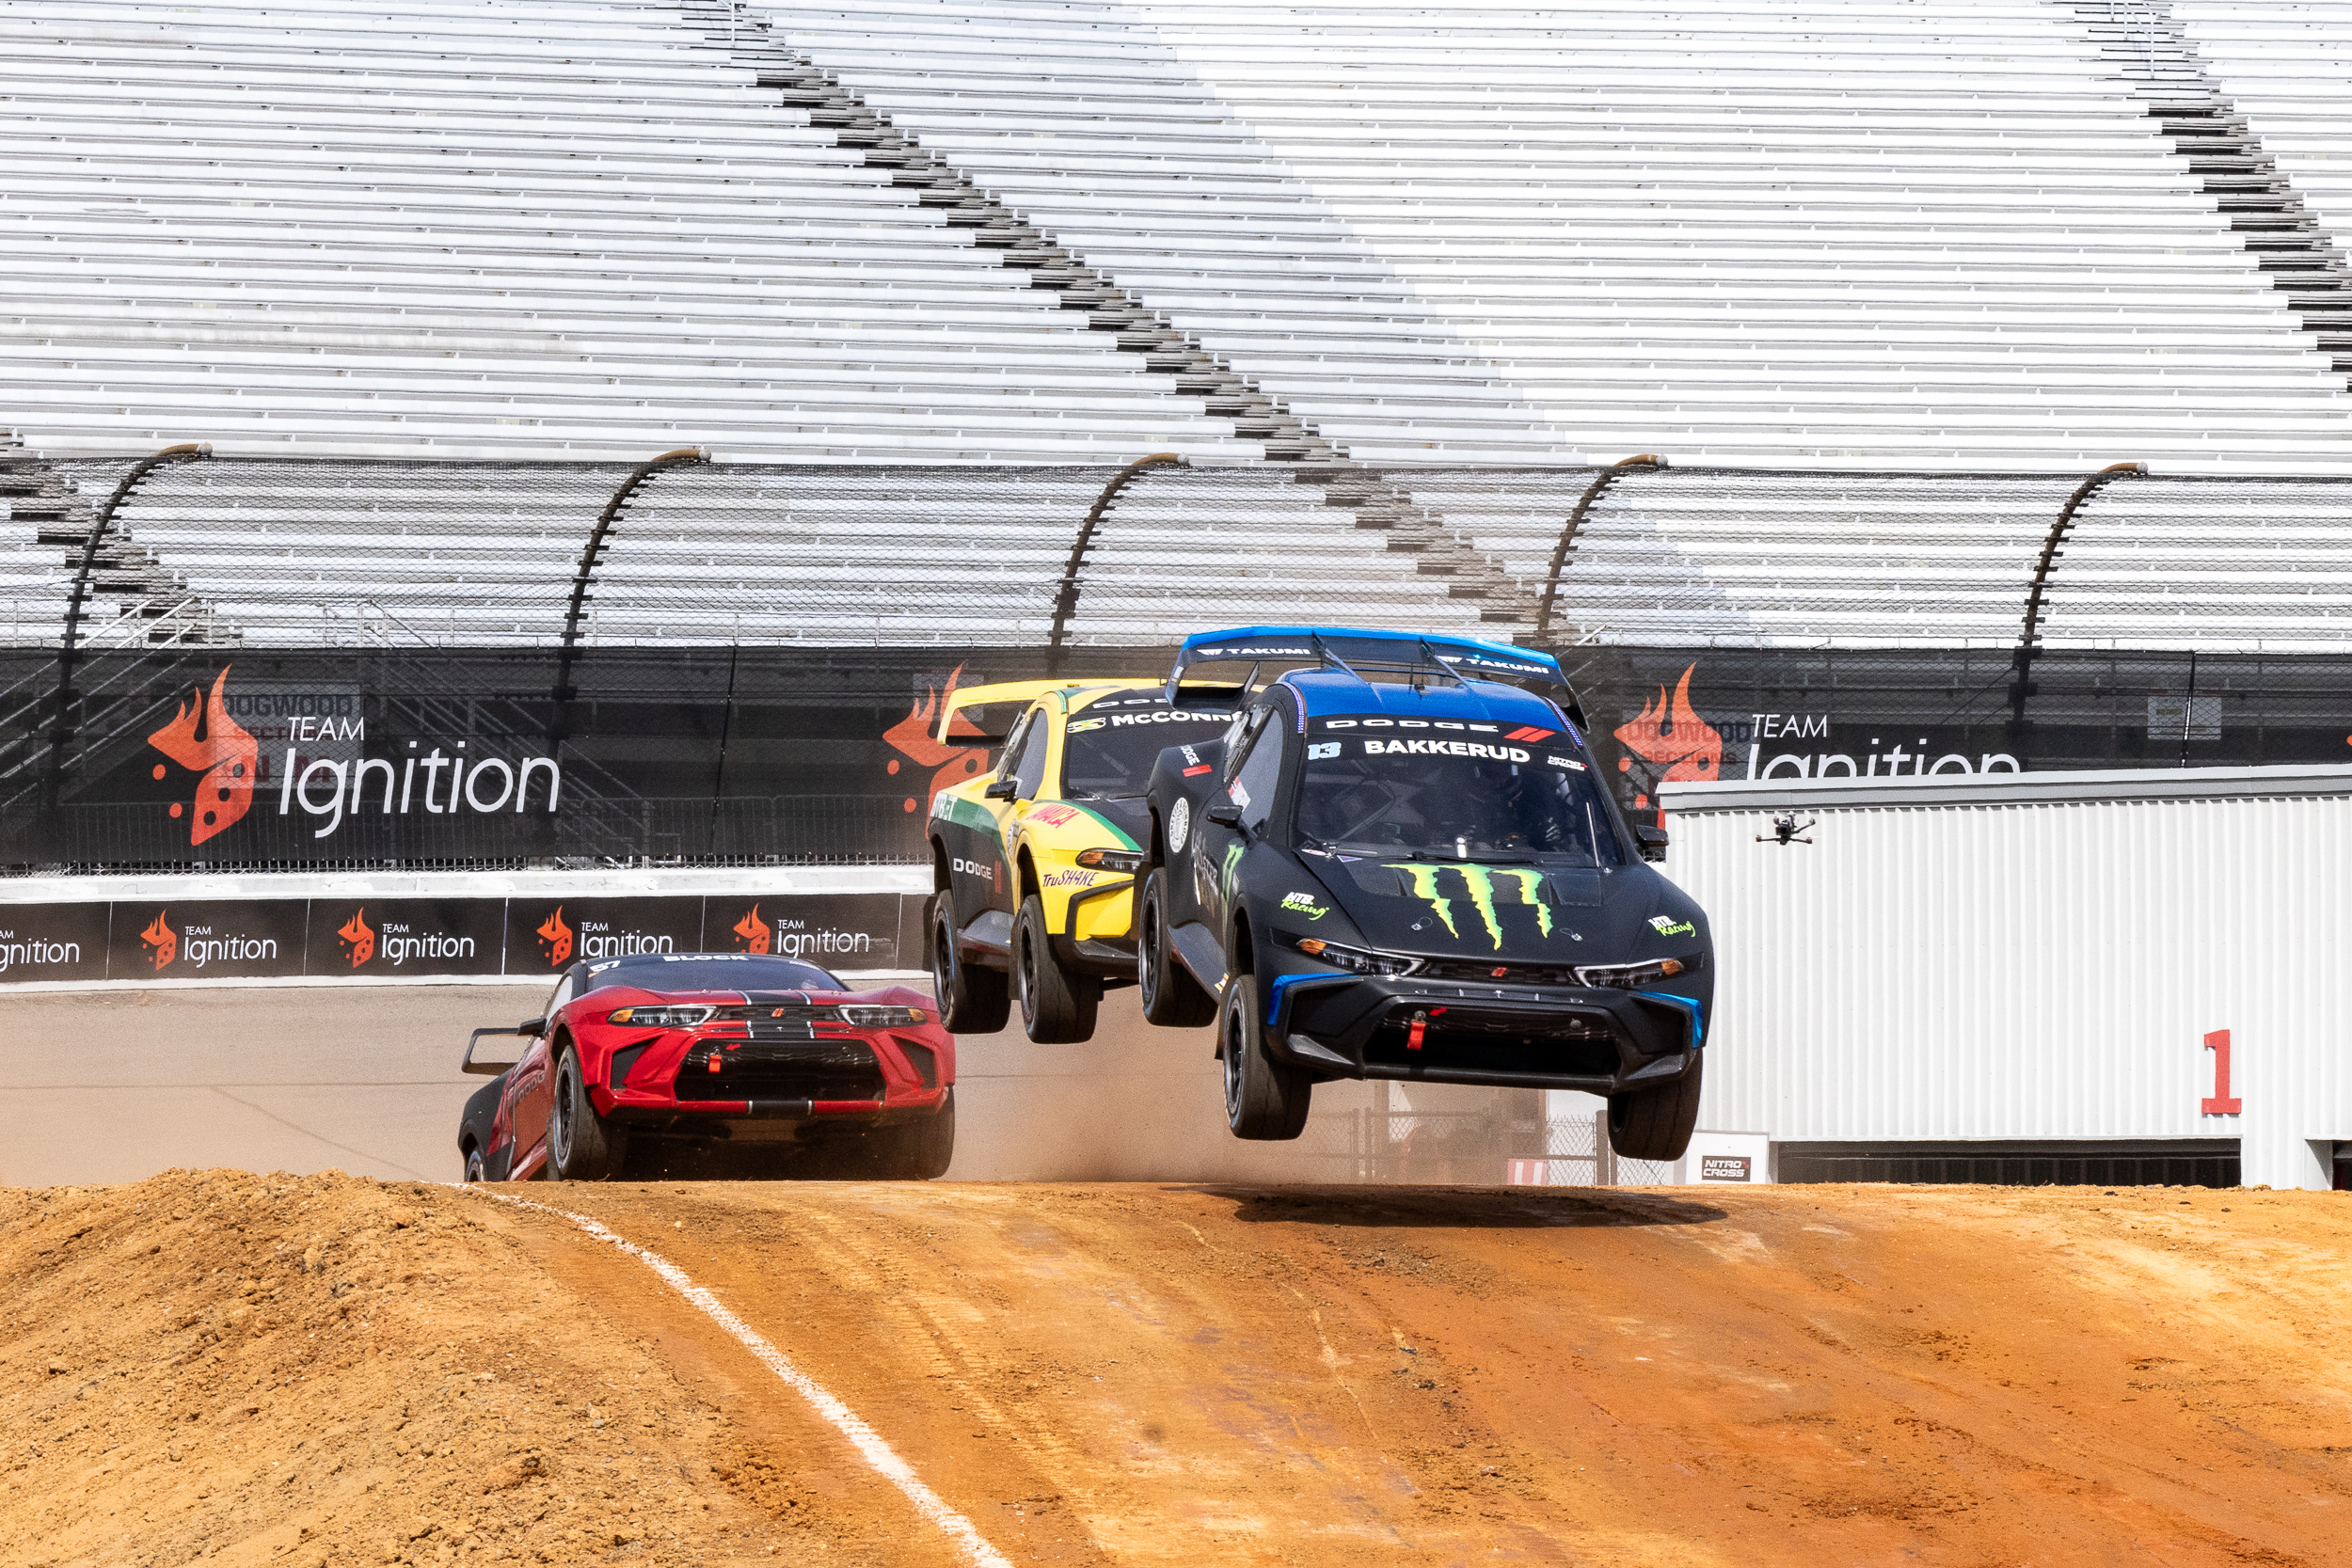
2095	977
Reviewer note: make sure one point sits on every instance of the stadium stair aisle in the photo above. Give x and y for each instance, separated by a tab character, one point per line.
861	130
1874	234
2274	83
500	229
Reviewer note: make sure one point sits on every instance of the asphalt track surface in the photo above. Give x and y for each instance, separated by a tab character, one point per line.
117	1086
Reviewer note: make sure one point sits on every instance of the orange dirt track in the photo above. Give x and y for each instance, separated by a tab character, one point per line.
323	1370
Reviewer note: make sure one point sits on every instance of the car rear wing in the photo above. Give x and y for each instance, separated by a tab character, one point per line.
984	715
1271	651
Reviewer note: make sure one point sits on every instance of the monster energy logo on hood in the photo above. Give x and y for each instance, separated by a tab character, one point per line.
1480	882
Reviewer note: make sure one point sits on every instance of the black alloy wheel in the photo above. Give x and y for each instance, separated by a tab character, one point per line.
1171	997
1264	1100
581	1146
1056	1006
972	1001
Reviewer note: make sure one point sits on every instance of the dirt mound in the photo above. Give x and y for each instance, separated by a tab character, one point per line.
322	1369
265	1370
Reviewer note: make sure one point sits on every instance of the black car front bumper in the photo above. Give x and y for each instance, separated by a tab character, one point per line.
1590	1037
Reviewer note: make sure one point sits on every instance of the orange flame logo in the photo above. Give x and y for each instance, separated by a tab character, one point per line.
163	942
205	739
357	933
1671	737
557	937
912	736
754	931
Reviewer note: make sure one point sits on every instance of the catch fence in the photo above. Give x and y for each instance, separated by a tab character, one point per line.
732	663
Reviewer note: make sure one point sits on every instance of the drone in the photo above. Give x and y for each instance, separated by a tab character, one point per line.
1786	829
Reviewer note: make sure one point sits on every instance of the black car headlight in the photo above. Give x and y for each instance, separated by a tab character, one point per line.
882	1018
1112	860
1626	976
670	1017
1357	958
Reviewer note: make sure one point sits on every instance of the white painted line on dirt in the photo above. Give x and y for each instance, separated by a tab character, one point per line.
867	1442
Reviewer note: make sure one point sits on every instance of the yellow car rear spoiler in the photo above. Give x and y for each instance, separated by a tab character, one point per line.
1022	693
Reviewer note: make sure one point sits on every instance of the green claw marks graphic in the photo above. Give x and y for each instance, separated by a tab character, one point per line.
1531	884
1224	872
1478	883
1426	886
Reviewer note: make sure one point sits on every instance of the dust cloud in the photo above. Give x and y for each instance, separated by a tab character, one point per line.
119	1086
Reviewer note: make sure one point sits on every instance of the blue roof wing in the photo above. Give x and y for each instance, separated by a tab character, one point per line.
1347	645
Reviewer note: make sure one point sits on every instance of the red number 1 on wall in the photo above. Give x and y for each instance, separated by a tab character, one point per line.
2220	1104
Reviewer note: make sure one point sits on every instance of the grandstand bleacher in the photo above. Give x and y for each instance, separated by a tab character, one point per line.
1862	235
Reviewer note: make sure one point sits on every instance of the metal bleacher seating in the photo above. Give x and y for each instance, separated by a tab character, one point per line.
328	553
1863	232
481	227
2287	66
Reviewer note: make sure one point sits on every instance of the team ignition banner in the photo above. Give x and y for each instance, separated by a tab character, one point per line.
363	939
420	758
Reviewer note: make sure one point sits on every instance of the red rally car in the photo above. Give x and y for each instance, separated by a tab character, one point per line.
768	1056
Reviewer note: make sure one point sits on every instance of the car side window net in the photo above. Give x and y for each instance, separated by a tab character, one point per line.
1253	789
1028	767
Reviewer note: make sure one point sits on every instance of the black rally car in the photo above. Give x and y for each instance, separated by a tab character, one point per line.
1404	865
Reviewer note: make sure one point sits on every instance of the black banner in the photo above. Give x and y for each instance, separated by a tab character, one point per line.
545	935
208	940
52	942
369	939
429	757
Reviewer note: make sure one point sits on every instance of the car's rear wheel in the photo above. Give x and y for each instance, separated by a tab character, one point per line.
1264	1098
1056	1006
1656	1124
582	1144
1171	997
476	1168
972	1001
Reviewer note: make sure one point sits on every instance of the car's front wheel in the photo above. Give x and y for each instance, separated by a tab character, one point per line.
971	1001
1056	1006
910	1150
1264	1098
582	1144
1656	1124
477	1169
1171	997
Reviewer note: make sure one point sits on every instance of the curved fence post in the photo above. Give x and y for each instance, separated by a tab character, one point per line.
2029	642
1568	535
592	556
69	645
1066	597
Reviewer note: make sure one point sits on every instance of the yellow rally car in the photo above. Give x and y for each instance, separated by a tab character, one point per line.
1035	863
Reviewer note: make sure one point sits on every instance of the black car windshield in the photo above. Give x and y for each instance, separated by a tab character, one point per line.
707	971
1110	746
1448	793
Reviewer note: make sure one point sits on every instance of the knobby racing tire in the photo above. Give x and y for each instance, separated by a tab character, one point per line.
1655	1124
582	1146
1056	1006
1264	1098
1171	997
972	1001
